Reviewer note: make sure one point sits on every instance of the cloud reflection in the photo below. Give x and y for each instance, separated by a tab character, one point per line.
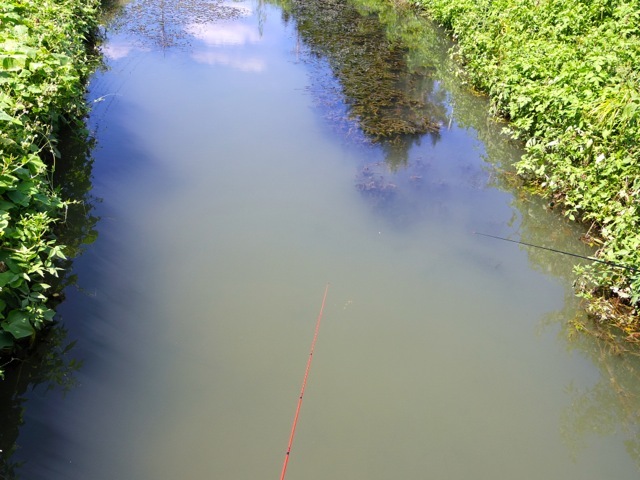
230	60
215	34
216	39
116	50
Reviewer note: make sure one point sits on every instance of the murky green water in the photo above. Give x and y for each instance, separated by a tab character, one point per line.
232	187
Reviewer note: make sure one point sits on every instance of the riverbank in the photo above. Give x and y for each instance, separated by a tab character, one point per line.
565	75
45	62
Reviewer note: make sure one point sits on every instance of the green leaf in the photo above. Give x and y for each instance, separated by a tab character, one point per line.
34	163
33	66
18	197
28	188
13	64
18	324
21	31
56	252
6	341
91	237
4	221
5	117
48	314
7	277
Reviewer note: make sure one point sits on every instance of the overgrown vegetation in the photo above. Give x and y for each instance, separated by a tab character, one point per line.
566	74
45	61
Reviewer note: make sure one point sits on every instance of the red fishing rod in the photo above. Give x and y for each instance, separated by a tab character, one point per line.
304	384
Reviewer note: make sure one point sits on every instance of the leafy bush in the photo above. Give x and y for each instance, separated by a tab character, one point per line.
566	73
44	63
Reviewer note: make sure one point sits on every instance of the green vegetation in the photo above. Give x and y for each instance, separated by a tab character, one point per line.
45	61
566	74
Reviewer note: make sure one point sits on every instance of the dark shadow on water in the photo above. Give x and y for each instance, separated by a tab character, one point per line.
34	389
50	366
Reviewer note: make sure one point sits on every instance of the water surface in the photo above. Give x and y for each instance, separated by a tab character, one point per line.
233	186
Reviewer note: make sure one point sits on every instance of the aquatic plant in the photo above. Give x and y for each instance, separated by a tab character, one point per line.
44	64
383	94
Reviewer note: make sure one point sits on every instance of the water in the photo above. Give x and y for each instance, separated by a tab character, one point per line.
230	192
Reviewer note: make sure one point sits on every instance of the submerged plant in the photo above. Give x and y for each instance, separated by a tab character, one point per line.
382	93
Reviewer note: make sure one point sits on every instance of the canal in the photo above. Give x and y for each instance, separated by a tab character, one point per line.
246	154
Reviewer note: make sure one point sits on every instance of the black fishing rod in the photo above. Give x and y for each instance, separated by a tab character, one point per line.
611	264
